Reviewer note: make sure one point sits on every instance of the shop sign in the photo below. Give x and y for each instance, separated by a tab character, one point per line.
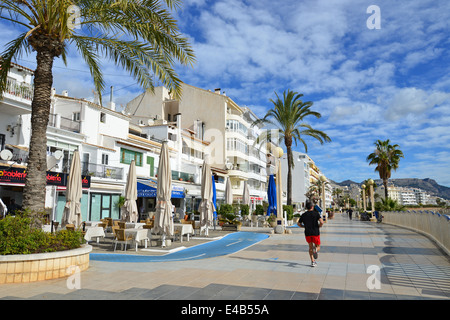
18	175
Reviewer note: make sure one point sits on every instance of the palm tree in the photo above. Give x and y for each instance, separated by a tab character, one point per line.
288	115
140	36
386	157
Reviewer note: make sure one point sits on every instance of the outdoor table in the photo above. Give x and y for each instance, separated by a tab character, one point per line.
139	235
92	223
185	229
94	232
48	228
134	225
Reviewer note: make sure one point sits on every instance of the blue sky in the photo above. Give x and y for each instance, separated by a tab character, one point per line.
368	84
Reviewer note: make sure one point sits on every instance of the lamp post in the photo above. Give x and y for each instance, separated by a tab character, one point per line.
324	211
370	182
278	154
363	187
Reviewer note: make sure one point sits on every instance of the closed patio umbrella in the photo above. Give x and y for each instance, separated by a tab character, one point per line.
206	206
246	194
272	196
130	213
228	192
163	214
214	198
72	209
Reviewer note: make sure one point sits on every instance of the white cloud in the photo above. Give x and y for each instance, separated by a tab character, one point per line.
413	101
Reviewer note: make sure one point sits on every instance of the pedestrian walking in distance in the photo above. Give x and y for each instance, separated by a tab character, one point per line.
312	222
350	212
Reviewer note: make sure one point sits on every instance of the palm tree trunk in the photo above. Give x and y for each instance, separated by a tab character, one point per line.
385	183
34	191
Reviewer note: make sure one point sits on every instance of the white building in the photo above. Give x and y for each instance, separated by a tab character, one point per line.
304	174
216	121
107	143
15	115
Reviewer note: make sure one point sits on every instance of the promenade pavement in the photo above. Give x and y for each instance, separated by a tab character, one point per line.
354	255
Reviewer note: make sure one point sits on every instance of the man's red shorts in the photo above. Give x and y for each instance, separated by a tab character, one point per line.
313	239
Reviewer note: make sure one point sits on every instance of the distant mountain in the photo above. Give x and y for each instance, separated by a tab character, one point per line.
429	185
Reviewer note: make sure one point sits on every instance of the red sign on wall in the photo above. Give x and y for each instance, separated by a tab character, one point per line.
18	175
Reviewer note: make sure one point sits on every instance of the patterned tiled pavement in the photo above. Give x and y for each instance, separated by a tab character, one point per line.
353	254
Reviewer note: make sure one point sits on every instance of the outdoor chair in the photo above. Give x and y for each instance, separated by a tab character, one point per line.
70	227
122	225
122	238
113	230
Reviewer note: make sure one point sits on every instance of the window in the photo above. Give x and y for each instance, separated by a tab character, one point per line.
76	116
105	158
102	117
237	145
126	156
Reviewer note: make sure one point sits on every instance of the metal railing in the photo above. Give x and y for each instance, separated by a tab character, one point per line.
101	171
18	89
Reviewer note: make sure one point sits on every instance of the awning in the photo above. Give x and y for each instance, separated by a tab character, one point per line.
147	189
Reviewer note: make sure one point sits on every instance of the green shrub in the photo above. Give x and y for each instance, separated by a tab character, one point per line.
289	211
226	208
18	237
244	209
259	209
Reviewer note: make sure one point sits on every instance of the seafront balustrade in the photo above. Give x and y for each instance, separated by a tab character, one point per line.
433	224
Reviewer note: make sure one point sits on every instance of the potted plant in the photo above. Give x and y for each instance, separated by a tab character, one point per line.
120	202
230	223
272	220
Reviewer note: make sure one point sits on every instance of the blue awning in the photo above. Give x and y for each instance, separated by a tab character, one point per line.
147	189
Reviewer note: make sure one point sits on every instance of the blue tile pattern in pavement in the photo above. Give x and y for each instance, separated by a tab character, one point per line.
230	243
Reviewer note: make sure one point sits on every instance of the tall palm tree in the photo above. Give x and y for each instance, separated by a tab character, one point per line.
288	115
140	36
386	157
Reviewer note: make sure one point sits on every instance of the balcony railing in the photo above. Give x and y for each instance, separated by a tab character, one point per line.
101	171
55	120
18	89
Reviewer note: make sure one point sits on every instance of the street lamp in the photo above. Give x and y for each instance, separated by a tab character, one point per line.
278	153
364	196
324	180
370	182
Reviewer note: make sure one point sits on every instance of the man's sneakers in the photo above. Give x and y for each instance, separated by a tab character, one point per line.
315	255
313	264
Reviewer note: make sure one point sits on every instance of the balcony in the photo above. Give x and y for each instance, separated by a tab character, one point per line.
56	121
17	97
101	171
19	90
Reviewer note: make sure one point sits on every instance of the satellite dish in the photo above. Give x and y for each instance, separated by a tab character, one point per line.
51	162
6	155
58	155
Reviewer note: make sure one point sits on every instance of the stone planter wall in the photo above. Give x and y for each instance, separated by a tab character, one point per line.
43	266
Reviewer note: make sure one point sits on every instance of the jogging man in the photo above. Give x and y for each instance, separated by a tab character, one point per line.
311	221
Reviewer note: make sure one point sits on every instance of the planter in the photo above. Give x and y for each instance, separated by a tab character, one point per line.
22	268
231	227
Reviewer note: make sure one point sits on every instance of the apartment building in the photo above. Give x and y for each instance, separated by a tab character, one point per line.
107	143
211	117
304	174
15	115
408	196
